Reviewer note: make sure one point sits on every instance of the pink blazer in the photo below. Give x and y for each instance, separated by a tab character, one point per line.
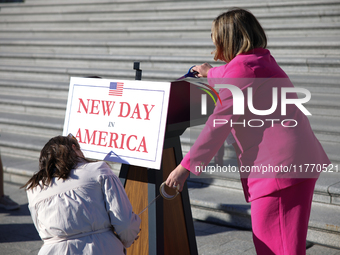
280	149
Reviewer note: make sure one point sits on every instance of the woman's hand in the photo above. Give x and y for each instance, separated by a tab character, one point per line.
177	176
202	69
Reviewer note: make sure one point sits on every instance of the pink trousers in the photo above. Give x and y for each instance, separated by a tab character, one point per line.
280	220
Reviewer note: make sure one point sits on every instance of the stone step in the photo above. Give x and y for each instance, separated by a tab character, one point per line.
133	12
62	64
33	105
324	99
103	61
34	88
59	74
160	21
139	34
160	6
316	84
115	47
329	110
31	124
154	62
192	18
62	74
179	31
18	169
74	2
22	145
311	46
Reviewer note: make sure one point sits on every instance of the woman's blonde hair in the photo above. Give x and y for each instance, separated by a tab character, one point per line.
236	31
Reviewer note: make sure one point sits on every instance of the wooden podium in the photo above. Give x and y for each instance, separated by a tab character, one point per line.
167	225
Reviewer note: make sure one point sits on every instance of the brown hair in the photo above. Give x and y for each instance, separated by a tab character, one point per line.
57	159
236	31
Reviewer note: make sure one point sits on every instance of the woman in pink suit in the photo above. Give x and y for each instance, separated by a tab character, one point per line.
275	147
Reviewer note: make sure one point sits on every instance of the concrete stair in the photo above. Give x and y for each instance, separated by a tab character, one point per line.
44	43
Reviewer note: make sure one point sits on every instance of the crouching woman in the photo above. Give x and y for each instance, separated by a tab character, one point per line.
78	206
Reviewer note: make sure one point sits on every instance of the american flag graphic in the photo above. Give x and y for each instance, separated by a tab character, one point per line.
116	88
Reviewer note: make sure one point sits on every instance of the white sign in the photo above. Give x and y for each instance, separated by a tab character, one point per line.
118	120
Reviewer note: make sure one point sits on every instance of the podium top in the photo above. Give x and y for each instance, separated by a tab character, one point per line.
185	106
